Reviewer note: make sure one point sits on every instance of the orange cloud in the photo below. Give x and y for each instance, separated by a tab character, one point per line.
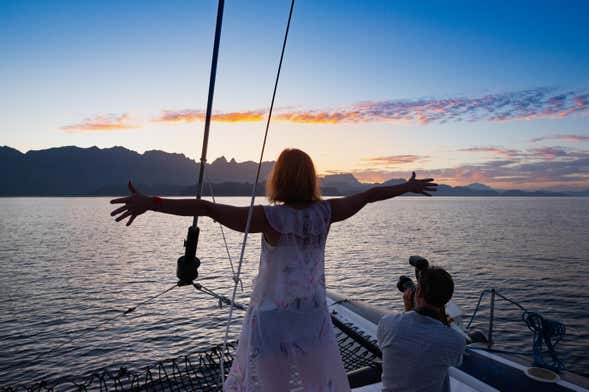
190	116
109	122
249	116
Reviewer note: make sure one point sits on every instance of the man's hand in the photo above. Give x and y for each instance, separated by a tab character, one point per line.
135	205
408	296
421	186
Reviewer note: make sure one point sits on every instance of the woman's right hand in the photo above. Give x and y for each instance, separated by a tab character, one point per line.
135	205
421	186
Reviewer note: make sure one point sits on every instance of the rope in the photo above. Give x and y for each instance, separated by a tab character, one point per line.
222	299
549	332
131	309
545	331
253	195
235	277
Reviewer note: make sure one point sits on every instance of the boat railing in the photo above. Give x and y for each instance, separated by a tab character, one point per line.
546	332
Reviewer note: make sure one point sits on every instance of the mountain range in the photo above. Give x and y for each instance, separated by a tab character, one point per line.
75	171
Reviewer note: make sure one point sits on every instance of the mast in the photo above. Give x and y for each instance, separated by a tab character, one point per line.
205	142
187	268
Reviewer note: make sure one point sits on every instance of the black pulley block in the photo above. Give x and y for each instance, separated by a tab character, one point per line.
187	268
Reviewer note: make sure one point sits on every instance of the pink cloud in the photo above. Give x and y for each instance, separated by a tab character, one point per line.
549	153
497	151
174	116
395	160
562	138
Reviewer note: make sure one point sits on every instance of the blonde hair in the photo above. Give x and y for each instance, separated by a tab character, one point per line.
293	178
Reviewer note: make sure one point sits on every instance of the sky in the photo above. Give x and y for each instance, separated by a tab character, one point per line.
489	92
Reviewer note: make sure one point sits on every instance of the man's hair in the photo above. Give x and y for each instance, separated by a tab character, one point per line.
437	285
293	178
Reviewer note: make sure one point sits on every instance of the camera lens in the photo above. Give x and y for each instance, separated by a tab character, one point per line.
405	283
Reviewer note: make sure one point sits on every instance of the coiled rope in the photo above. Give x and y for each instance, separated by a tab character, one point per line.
545	331
253	195
549	332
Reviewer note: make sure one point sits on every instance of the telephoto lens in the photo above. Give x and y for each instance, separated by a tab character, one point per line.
405	283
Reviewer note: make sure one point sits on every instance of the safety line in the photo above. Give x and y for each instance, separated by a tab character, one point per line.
104	322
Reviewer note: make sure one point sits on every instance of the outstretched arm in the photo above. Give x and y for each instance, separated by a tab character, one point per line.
233	217
345	207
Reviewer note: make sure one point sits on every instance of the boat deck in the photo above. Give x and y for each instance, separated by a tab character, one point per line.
355	326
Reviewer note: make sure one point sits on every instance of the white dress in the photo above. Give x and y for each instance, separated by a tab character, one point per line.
287	339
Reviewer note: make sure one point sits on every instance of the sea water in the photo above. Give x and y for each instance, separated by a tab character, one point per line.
66	267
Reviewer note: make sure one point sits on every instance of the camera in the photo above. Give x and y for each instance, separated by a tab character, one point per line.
405	282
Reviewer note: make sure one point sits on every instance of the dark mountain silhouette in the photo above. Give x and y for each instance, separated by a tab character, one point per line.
479	187
344	182
75	171
93	171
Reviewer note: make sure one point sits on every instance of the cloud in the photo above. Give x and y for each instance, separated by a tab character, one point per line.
511	106
541	103
539	153
395	160
551	153
520	105
562	138
250	116
316	117
497	151
109	122
190	116
173	116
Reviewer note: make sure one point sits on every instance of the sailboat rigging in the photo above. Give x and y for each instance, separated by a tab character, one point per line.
187	267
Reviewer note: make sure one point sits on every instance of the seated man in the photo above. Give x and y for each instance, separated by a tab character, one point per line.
417	345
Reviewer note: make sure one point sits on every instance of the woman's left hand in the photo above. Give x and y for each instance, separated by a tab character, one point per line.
135	205
421	186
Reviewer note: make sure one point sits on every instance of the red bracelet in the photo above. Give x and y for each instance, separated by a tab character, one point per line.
157	202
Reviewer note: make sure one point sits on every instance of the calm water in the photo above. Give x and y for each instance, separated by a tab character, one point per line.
66	267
